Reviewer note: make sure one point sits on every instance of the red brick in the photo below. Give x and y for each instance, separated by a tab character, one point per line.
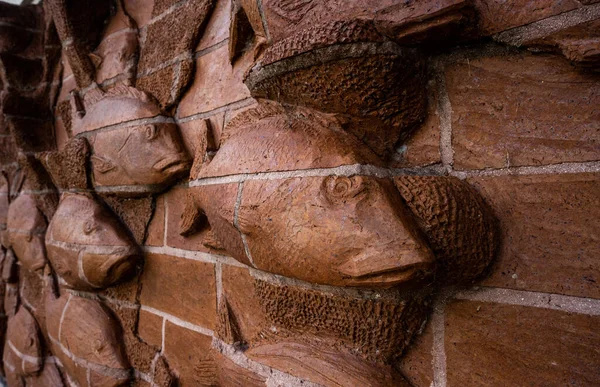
522	110
423	147
140	10
150	328
217	28
499	15
215	84
549	232
193	131
182	287
417	363
175	206
189	356
490	344
238	289
156	229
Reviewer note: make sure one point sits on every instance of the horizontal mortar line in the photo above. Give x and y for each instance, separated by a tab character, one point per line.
164	65
192	255
343	170
572	304
564	168
165	13
141	375
232	105
100	297
115	34
16	26
158	119
541	28
240	359
177	321
210	49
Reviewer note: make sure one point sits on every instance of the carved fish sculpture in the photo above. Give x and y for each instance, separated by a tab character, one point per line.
26	227
23	348
328	226
86	338
136	149
88	247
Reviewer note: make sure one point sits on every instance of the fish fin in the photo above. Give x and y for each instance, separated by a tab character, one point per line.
102	165
227	327
211	241
96	59
205	150
193	218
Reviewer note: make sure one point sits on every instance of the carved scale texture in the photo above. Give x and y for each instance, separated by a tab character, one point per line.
376	329
459	226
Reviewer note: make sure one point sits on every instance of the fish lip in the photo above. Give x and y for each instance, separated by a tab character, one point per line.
171	164
410	274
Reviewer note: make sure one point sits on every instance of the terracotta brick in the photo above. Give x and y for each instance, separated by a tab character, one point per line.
158	84
217	28
238	288
499	15
156	228
189	356
150	328
215	84
490	344
175	206
522	110
60	132
417	363
549	232
139	10
193	131
423	147
182	287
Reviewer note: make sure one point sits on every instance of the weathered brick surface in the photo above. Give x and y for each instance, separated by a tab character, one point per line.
522	109
182	287
217	28
550	232
150	328
490	344
215	84
139	10
156	227
417	364
188	352
499	15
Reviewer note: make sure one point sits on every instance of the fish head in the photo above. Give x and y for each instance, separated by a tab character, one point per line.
26	228
149	156
87	244
334	230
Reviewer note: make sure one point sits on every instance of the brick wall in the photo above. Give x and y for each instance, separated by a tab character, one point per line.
521	127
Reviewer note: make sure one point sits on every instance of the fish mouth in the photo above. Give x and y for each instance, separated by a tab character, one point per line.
174	164
408	276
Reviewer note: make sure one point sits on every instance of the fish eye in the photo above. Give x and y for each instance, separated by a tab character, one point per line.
340	188
89	227
150	131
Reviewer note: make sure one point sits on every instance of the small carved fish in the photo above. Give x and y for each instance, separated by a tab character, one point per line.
26	227
23	349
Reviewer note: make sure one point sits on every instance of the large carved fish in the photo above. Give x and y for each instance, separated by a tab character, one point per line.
136	149
23	349
26	228
324	222
86	338
87	245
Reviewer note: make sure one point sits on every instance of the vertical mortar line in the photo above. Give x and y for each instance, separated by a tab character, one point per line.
238	202
162	343
263	19
445	114
438	352
165	220
219	282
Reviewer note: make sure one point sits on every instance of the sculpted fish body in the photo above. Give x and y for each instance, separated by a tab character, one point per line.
87	245
326	224
26	227
23	348
86	338
136	149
